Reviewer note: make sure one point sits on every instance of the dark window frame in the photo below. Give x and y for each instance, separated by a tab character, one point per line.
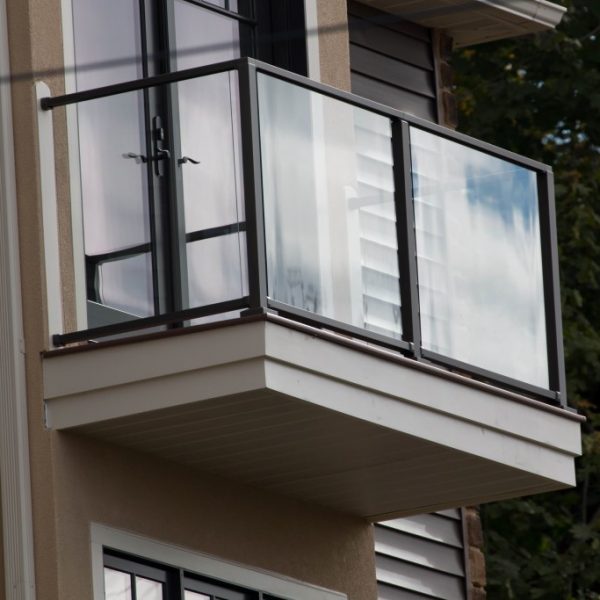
175	580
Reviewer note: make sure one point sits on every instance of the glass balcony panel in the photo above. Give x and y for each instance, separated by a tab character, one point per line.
330	217
126	285
479	257
114	193
209	119
217	269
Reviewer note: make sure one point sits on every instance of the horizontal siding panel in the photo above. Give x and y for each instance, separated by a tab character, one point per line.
430	527
390	43
388	592
409	102
418	579
451	513
392	71
425	553
388	20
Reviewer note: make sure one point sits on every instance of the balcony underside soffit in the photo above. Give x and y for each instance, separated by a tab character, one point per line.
356	430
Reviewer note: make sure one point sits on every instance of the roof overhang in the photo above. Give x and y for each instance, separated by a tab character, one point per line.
476	21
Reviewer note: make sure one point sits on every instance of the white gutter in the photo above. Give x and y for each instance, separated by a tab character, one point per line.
547	14
476	21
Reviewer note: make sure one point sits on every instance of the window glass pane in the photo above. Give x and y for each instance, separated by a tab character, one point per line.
329	207
195	596
217	269
107	42
479	258
117	585
146	589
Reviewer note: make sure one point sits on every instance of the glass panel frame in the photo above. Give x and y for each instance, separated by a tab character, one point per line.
479	258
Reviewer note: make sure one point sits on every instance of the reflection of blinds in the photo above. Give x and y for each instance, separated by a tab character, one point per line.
421	557
432	243
377	229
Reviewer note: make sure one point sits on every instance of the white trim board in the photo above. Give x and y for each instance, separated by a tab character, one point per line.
103	536
14	446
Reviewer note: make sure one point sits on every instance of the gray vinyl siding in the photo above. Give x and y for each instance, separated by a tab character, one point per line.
421	557
392	61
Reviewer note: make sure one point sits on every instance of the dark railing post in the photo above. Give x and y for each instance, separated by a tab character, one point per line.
550	271
253	196
405	233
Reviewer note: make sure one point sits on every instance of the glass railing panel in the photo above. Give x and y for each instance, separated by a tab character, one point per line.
162	199
330	218
213	191
115	197
479	255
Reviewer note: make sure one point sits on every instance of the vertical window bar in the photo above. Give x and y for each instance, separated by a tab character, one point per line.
552	306
253	195
405	230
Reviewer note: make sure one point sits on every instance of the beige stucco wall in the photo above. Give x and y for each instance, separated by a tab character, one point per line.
76	481
334	48
2	584
96	482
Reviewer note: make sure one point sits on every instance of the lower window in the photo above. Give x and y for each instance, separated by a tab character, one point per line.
131	578
128	566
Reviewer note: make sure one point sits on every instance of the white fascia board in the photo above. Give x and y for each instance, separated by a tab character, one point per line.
547	14
476	21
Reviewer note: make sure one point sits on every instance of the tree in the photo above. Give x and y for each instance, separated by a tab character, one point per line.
540	96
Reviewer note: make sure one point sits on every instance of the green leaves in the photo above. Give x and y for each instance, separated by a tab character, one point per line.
540	96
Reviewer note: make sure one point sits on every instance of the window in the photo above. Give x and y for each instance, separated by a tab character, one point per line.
129	578
127	566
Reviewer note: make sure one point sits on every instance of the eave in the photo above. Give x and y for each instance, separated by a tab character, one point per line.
471	22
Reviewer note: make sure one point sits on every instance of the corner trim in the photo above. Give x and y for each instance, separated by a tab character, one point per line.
16	512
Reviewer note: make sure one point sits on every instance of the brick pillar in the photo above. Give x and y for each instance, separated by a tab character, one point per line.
473	540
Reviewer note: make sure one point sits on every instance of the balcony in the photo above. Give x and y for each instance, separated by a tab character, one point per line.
312	293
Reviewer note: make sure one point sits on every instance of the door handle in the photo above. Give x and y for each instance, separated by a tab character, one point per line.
186	159
139	158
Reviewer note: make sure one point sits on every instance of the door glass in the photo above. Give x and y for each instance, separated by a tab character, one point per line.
114	191
210	139
117	585
115	201
203	37
107	42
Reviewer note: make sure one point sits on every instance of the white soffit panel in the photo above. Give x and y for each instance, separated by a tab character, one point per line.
475	21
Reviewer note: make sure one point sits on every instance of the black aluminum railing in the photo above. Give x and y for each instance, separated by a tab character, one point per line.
257	189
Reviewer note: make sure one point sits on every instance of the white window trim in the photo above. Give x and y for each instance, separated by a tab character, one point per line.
313	54
103	537
74	170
